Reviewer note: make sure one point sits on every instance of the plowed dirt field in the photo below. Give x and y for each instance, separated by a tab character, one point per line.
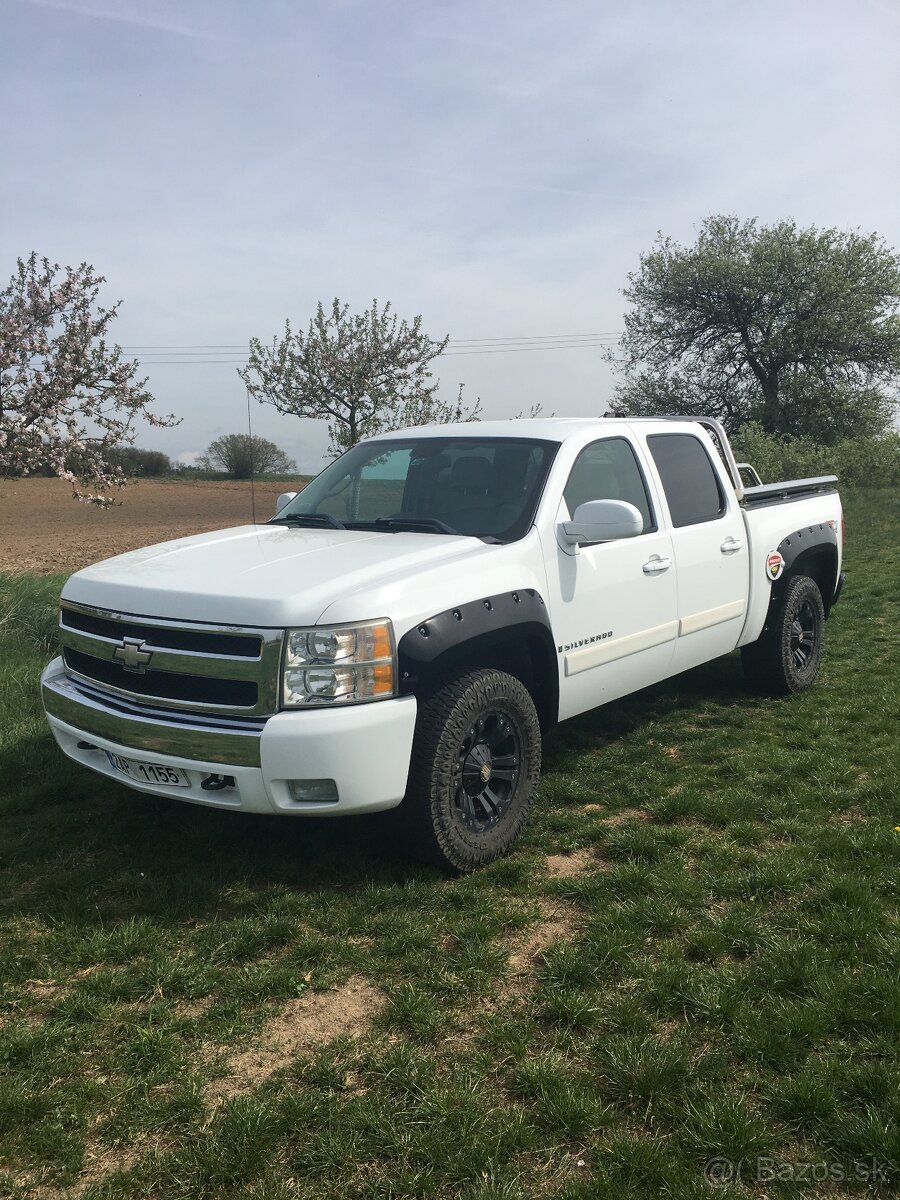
43	530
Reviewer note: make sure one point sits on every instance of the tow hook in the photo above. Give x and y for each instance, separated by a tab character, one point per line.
217	783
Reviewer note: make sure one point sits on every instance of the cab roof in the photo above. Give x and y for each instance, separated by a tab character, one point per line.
548	429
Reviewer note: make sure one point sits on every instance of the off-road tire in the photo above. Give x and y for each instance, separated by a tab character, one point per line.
433	820
786	659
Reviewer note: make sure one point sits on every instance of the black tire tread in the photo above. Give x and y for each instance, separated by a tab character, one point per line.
442	723
767	662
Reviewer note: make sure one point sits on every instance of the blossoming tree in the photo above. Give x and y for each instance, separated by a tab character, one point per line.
66	395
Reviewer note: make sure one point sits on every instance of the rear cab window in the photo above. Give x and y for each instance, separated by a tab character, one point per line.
691	483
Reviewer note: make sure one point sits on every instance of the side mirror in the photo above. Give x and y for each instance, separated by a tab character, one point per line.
283	499
602	521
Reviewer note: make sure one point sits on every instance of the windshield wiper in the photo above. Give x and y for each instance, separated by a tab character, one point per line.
426	524
314	518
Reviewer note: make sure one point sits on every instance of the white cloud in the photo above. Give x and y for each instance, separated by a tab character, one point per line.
117	12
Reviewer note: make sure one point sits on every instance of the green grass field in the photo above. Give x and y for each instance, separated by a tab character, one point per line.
694	955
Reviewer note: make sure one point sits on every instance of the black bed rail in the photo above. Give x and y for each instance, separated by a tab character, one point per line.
769	493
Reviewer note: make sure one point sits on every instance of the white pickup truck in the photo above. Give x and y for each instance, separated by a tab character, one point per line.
405	628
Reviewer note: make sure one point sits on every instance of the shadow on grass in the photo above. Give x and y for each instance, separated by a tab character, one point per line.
80	848
86	850
719	683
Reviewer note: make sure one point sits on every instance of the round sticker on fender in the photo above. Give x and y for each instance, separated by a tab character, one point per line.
774	564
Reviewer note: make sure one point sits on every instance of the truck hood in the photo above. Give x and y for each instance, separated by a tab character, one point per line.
264	575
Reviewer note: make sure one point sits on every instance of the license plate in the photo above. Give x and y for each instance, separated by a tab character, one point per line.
144	772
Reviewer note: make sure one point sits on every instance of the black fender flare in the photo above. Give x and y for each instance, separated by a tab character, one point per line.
501	629
815	547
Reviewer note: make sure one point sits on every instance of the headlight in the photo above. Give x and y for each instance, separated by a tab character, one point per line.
343	665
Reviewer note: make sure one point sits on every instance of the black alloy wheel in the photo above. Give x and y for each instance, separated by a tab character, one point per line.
804	635
476	762
787	656
488	766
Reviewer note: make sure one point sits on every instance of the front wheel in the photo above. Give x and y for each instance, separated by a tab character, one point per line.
475	766
787	658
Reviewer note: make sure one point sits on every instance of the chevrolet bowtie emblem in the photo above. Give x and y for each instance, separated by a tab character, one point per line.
132	655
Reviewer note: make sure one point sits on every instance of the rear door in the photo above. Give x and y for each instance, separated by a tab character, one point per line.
709	543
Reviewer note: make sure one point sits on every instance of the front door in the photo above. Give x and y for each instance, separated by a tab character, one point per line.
614	604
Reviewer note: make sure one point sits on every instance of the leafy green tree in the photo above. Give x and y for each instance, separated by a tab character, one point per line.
363	373
134	461
240	456
797	329
857	461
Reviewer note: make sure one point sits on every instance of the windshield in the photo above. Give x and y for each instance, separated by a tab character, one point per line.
480	487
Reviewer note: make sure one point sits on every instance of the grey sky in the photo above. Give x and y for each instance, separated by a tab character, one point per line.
497	167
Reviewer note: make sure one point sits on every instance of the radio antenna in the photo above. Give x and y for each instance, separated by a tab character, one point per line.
252	460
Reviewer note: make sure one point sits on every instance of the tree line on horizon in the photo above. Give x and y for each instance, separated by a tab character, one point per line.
235	455
789	331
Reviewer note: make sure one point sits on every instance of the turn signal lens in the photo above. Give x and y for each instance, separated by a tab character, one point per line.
381	642
346	664
383	679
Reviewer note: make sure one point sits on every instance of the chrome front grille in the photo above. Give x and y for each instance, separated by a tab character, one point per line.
174	664
196	640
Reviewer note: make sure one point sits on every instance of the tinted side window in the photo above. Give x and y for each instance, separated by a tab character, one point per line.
608	470
688	477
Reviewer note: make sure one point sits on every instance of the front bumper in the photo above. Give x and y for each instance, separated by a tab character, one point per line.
364	748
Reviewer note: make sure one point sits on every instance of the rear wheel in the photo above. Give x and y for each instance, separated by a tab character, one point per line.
786	659
475	766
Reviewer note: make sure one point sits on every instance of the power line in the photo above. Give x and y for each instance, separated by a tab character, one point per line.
531	337
190	346
238	362
241	356
232	354
542	337
528	349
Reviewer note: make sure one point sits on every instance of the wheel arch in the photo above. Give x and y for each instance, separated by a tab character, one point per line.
508	632
811	551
